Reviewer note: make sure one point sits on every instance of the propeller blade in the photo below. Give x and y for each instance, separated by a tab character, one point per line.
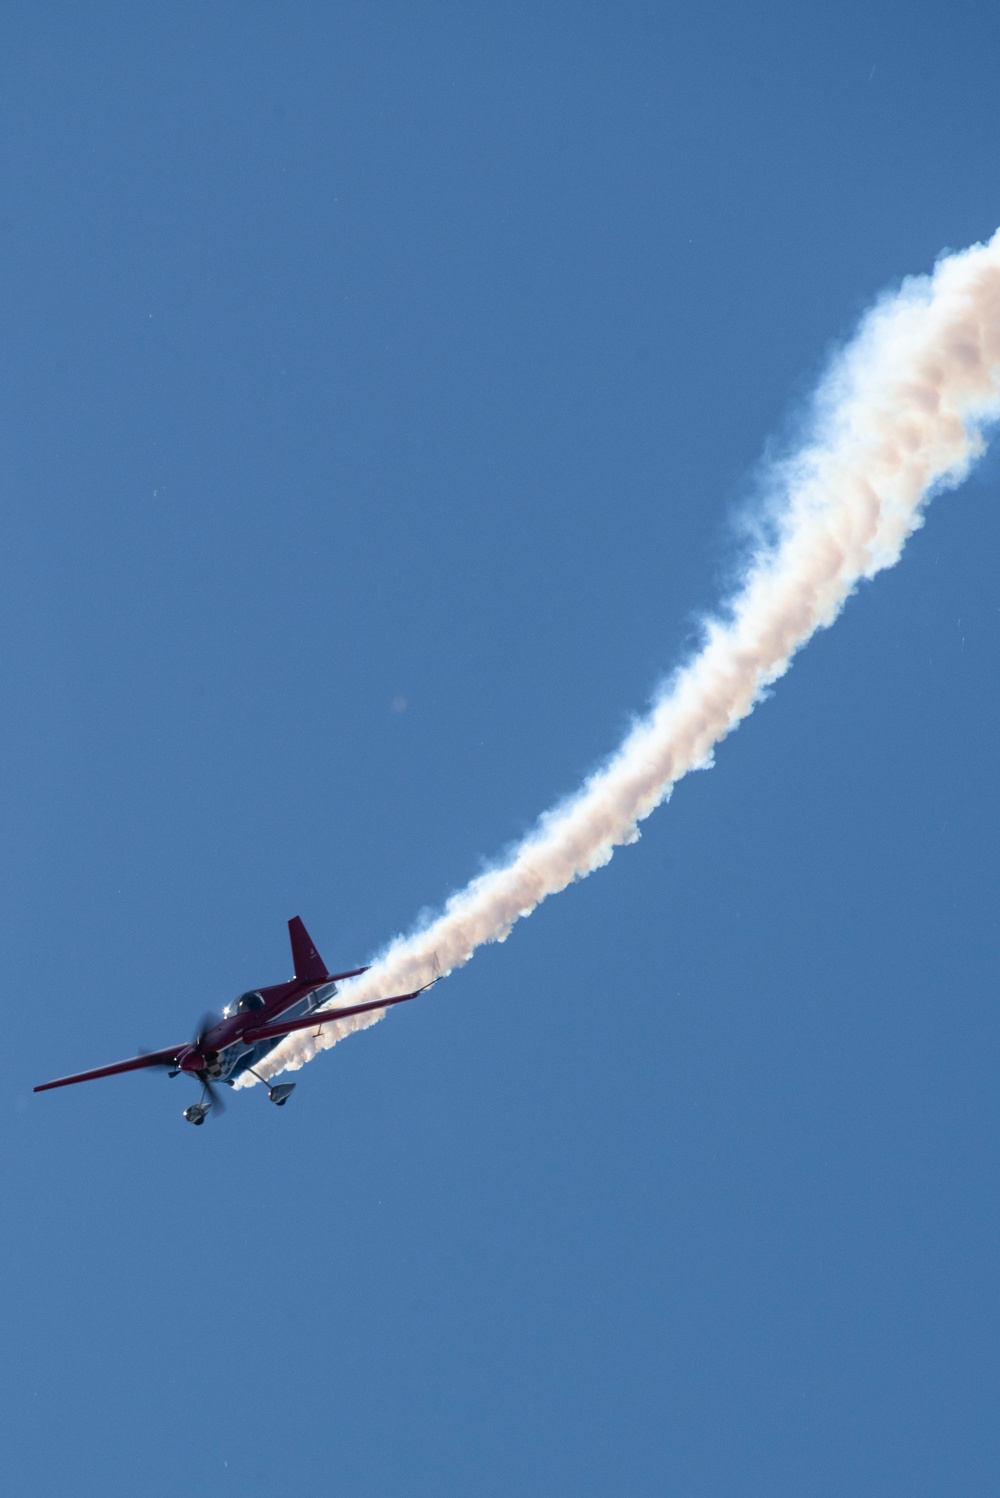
208	1022
215	1098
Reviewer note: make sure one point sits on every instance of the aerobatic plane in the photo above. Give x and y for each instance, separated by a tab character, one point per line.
251	1026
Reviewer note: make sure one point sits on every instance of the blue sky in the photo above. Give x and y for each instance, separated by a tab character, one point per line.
379	390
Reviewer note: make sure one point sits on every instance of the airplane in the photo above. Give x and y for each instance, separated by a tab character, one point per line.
251	1026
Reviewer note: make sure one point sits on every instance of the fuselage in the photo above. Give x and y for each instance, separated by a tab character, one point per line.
222	1054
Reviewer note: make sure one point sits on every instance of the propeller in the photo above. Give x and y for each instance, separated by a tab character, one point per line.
208	1022
191	1059
214	1097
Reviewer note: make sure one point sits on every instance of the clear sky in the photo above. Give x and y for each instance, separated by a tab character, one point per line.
379	390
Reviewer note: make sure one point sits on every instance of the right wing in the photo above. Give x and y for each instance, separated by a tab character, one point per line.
154	1058
323	1017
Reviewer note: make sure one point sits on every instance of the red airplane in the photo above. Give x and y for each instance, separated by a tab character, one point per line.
250	1026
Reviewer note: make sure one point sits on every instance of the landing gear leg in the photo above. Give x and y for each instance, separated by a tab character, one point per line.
280	1093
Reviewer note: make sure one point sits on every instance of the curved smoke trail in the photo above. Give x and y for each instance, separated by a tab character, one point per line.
898	417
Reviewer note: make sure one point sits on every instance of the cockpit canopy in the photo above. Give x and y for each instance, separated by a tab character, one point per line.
245	1004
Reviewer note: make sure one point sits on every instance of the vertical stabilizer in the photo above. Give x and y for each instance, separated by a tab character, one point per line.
308	964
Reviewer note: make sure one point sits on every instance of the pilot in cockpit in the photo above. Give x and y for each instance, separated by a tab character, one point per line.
244	1004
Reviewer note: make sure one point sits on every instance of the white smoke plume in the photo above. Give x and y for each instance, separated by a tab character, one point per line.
898	417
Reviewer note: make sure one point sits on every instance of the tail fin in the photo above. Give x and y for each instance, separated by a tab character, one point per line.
309	965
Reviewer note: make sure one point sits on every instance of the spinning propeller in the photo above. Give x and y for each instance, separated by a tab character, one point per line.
208	1022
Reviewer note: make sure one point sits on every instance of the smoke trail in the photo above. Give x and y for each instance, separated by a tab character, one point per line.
897	418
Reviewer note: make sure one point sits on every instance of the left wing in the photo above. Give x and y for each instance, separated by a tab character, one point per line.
323	1017
152	1058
